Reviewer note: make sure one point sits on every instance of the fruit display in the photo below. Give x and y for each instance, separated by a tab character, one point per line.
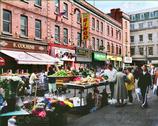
88	80
62	73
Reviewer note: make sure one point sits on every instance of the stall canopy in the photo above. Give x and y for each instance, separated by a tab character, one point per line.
30	58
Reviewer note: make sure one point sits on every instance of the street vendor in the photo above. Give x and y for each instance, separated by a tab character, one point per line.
32	79
51	81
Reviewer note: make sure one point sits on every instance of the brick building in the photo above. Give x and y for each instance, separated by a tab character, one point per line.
58	25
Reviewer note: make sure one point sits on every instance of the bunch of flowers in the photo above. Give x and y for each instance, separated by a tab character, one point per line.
10	84
50	104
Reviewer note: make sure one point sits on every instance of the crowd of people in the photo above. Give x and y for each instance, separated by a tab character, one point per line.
124	82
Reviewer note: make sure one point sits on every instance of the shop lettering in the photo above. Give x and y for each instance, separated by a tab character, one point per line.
85	26
23	46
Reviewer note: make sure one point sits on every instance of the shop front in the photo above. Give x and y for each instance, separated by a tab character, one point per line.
24	56
83	57
65	54
127	61
115	60
99	59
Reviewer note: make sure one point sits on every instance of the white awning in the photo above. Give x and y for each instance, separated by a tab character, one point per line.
30	58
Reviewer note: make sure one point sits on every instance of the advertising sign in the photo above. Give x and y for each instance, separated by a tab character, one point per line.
99	56
85	26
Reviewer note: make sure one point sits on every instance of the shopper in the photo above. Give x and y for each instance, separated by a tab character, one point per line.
32	79
155	87
144	81
152	73
110	72
120	91
51	81
130	85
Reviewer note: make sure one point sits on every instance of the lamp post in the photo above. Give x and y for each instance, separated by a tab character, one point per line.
146	57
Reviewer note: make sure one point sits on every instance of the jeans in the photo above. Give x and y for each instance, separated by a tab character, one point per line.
130	96
111	89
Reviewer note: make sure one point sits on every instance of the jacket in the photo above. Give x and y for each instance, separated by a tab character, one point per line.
130	85
144	80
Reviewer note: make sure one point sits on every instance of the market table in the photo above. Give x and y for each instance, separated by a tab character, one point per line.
82	87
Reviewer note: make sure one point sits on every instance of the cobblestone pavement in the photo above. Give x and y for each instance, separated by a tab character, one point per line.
129	115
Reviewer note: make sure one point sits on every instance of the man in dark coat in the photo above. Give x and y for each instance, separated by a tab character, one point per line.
144	81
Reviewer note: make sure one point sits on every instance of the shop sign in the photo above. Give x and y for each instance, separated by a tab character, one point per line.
85	26
100	56
127	59
23	46
83	52
114	58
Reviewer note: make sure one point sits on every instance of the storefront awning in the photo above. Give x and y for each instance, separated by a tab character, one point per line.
30	58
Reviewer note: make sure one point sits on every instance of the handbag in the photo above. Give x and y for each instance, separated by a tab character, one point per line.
138	94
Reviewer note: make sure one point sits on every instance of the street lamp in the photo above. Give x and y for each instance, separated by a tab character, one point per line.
146	57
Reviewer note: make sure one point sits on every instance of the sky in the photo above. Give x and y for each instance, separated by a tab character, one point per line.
126	6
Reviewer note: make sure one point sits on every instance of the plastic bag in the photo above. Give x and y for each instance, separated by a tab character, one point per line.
155	89
138	94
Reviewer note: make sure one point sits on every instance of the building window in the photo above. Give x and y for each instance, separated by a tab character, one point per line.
57	6
111	31
140	25
38	2
120	50
150	37
93	23
112	48
142	16
150	50
133	17
132	26
126	24
108	29
108	47
23	25
102	43
150	24
98	44
7	21
102	27
119	35
132	38
141	50
117	49
57	34
93	43
140	38
97	25
156	13
116	34
78	16
151	14
126	37
65	36
132	51
65	9
78	39
38	29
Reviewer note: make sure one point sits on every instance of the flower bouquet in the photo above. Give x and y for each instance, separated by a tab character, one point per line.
9	85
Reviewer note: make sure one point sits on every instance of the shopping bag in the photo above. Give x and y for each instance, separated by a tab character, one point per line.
155	89
138	94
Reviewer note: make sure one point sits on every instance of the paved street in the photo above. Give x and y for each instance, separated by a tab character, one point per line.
131	115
